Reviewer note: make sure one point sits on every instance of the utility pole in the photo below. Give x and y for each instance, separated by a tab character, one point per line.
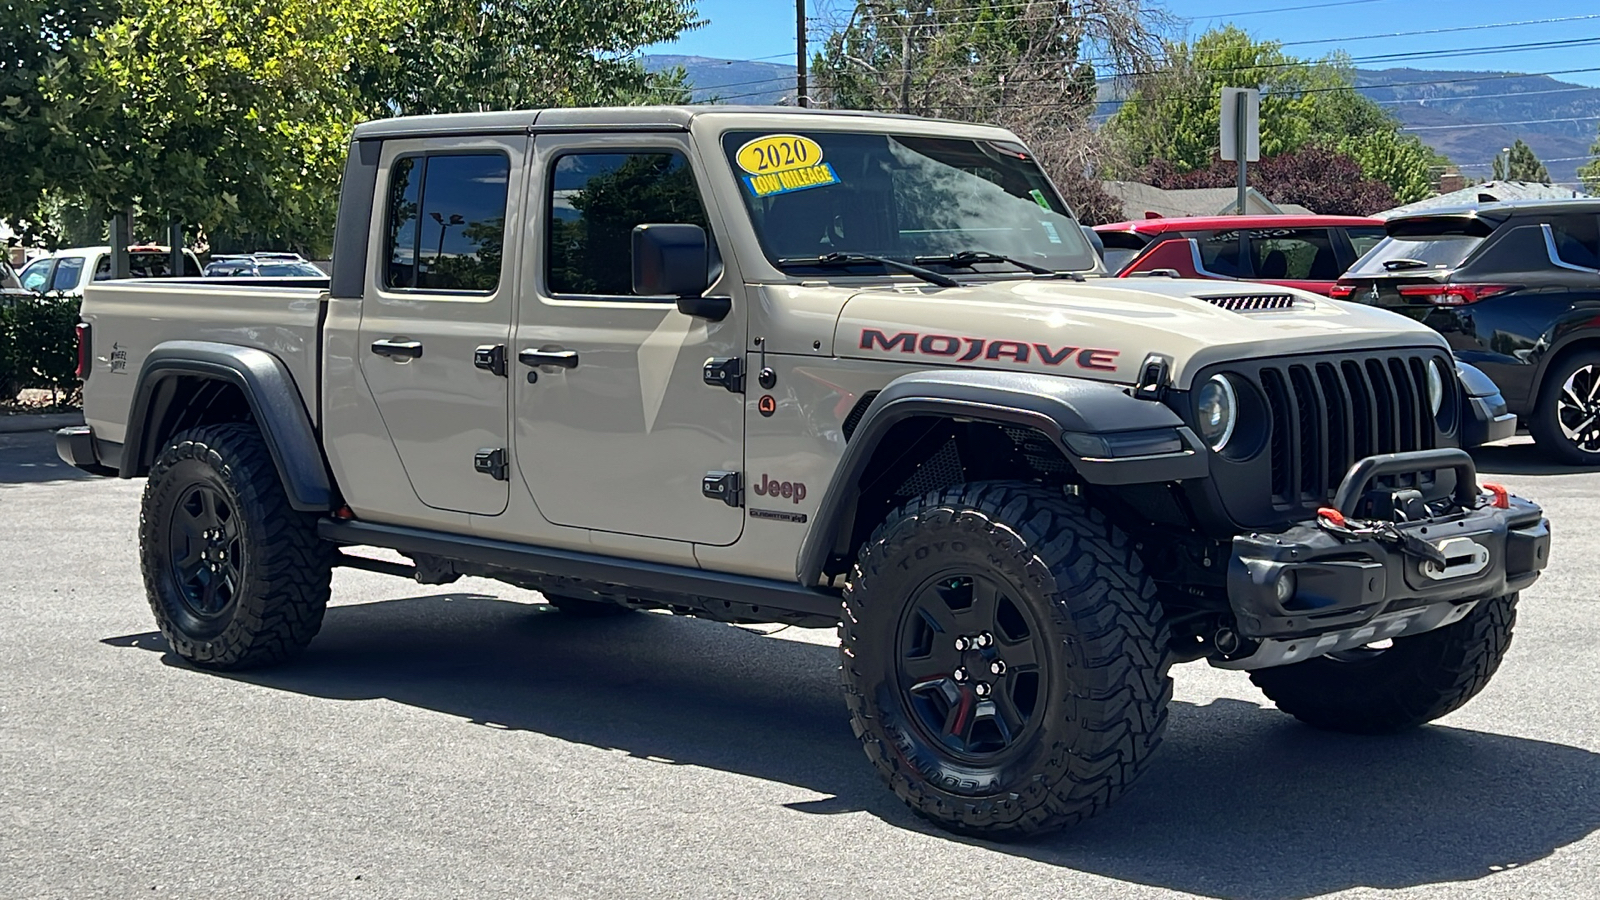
800	97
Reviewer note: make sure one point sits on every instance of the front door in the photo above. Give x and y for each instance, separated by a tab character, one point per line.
441	299
615	426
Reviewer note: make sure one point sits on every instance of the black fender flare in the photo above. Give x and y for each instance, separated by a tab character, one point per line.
274	401
1074	413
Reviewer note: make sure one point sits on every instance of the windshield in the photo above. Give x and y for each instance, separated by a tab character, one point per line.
1414	253
911	199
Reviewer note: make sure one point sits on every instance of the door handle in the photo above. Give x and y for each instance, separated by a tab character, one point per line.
396	348
566	359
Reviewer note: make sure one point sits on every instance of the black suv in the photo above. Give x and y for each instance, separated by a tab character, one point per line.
1515	289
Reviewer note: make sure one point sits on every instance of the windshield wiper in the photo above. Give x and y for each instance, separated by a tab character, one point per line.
1397	264
967	258
855	259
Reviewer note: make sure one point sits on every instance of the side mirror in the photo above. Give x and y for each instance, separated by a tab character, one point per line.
672	261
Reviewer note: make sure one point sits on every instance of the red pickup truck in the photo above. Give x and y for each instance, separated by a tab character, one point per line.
1306	252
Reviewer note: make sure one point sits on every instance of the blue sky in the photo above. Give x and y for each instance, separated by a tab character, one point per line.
754	29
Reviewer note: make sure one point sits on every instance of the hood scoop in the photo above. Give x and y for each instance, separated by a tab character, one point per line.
1251	302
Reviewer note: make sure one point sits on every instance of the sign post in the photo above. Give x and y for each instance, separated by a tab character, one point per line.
1241	131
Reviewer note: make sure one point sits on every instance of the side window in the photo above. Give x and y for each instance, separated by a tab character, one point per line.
1219	252
34	275
1577	240
68	268
596	199
1294	254
446	222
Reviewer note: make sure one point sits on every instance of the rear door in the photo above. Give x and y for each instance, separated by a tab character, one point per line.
441	300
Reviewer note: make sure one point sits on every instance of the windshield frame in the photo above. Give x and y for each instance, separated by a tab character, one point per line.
761	263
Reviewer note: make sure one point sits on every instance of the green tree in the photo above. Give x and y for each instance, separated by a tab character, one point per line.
1589	172
1520	165
467	55
1173	113
39	45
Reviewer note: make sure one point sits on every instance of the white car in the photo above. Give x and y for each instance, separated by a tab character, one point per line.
67	271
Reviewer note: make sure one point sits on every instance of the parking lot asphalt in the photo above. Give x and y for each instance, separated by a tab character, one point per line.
469	741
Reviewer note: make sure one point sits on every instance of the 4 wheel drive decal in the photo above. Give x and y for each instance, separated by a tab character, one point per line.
967	349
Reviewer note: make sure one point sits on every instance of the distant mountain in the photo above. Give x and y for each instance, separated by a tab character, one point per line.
1535	99
731	80
1468	99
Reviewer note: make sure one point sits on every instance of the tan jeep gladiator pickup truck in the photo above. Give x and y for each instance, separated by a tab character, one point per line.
765	365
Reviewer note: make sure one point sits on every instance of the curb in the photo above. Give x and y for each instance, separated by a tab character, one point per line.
23	424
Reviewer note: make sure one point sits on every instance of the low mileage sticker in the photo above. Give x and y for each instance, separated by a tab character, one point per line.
779	163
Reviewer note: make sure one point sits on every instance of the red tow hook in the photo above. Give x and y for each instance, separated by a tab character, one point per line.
1333	516
1502	497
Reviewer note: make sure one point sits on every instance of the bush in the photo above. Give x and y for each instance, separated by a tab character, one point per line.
38	345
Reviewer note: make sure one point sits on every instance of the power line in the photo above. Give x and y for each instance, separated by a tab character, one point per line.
1466	97
1457	28
1499	124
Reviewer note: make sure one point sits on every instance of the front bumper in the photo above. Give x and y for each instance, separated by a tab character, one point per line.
1308	590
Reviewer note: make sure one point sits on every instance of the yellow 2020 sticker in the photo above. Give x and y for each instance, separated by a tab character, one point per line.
779	153
780	163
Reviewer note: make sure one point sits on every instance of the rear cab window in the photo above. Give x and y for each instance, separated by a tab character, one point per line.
1294	254
446	222
68	270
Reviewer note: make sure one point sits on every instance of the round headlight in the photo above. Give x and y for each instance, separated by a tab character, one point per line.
1217	409
1435	386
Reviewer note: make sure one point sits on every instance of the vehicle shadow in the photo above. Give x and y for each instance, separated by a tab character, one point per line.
1242	803
1523	458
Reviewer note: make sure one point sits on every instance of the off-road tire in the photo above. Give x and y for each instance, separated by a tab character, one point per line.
283	572
1544	422
1415	680
586	609
1102	706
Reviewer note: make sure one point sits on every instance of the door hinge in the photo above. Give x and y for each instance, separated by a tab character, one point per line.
491	463
724	486
725	372
491	358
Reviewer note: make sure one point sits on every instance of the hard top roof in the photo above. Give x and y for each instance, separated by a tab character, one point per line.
1500	211
625	118
1229	223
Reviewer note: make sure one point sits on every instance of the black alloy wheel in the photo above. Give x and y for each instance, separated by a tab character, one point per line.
207	551
969	665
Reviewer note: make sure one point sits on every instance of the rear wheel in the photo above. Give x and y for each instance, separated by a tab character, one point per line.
236	577
1375	690
1004	659
1566	419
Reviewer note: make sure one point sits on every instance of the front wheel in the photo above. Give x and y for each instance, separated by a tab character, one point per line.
1566	419
1004	659
236	576
1377	690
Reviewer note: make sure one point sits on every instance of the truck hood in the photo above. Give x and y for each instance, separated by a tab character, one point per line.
1104	329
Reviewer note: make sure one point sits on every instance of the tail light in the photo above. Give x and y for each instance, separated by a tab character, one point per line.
1342	291
85	351
1454	294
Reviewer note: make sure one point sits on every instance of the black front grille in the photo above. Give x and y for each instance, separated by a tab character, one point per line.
1326	414
1305	420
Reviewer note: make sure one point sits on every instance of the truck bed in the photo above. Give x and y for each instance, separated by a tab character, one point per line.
128	319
